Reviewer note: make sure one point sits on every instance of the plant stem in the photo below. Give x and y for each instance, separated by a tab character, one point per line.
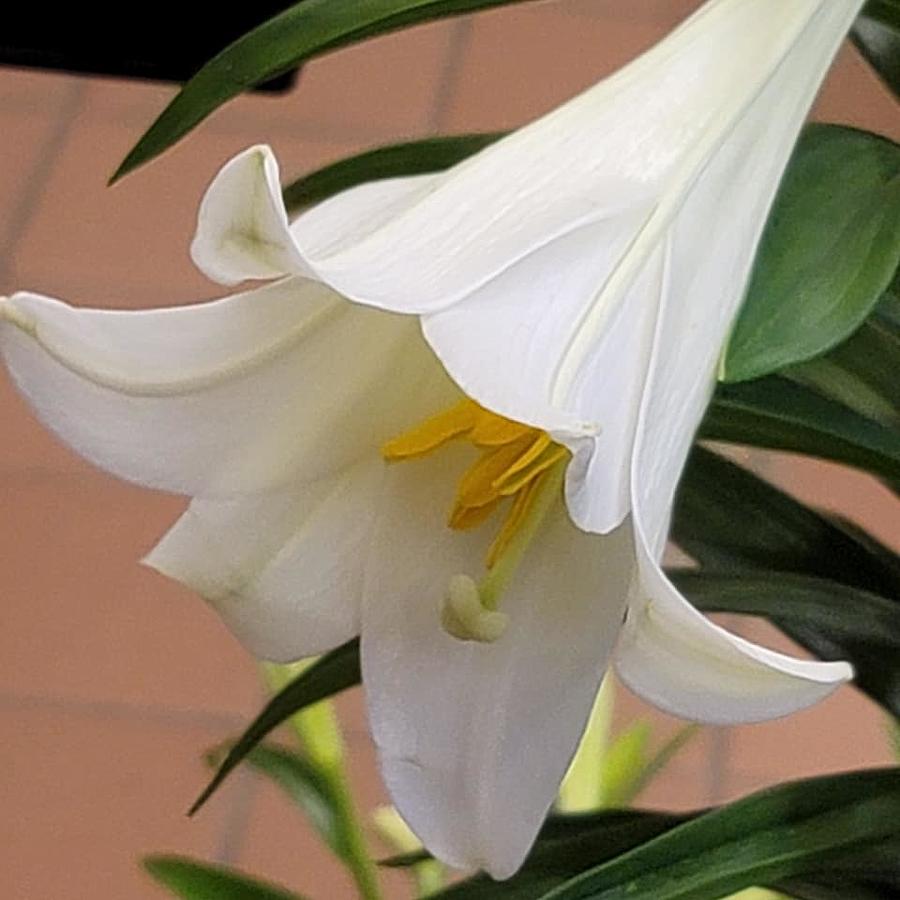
318	731
581	790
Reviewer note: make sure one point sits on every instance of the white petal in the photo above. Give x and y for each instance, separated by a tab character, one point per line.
681	662
496	345
670	653
242	226
707	275
419	245
613	149
285	383
541	300
474	739
283	569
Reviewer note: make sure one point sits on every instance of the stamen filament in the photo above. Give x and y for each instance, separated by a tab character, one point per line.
545	494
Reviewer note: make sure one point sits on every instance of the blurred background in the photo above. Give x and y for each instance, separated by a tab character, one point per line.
113	681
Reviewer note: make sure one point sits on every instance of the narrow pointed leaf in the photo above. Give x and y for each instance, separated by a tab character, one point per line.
880	45
885	11
333	673
779	414
833	887
785	832
300	33
833	621
393	161
199	881
860	373
565	847
776	532
830	250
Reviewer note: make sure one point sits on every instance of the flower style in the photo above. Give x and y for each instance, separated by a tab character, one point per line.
525	342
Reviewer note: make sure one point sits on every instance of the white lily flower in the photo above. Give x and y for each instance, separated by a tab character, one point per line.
550	311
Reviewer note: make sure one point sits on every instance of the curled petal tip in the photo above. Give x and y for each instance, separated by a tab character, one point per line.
242	227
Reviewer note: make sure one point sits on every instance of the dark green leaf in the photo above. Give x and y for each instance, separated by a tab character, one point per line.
775	531
778	414
872	873
860	373
302	32
785	832
833	621
885	11
393	161
565	847
305	785
198	881
880	45
829	251
330	675
833	887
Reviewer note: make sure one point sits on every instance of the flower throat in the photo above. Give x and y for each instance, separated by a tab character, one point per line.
518	465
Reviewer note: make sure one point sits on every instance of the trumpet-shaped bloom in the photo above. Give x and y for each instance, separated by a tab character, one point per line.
454	421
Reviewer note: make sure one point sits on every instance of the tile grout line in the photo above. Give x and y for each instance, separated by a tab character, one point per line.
170	717
70	106
460	38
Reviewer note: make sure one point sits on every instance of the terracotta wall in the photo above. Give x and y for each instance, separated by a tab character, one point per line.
113	681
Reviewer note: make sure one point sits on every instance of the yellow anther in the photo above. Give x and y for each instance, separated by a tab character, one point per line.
512	460
433	432
514	481
464	616
478	484
491	430
539	443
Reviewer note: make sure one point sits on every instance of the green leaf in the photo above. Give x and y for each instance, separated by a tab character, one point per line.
880	45
392	161
775	531
565	846
833	887
860	373
885	11
829	251
778	414
833	621
302	32
872	873
199	881
331	674
303	782
785	832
